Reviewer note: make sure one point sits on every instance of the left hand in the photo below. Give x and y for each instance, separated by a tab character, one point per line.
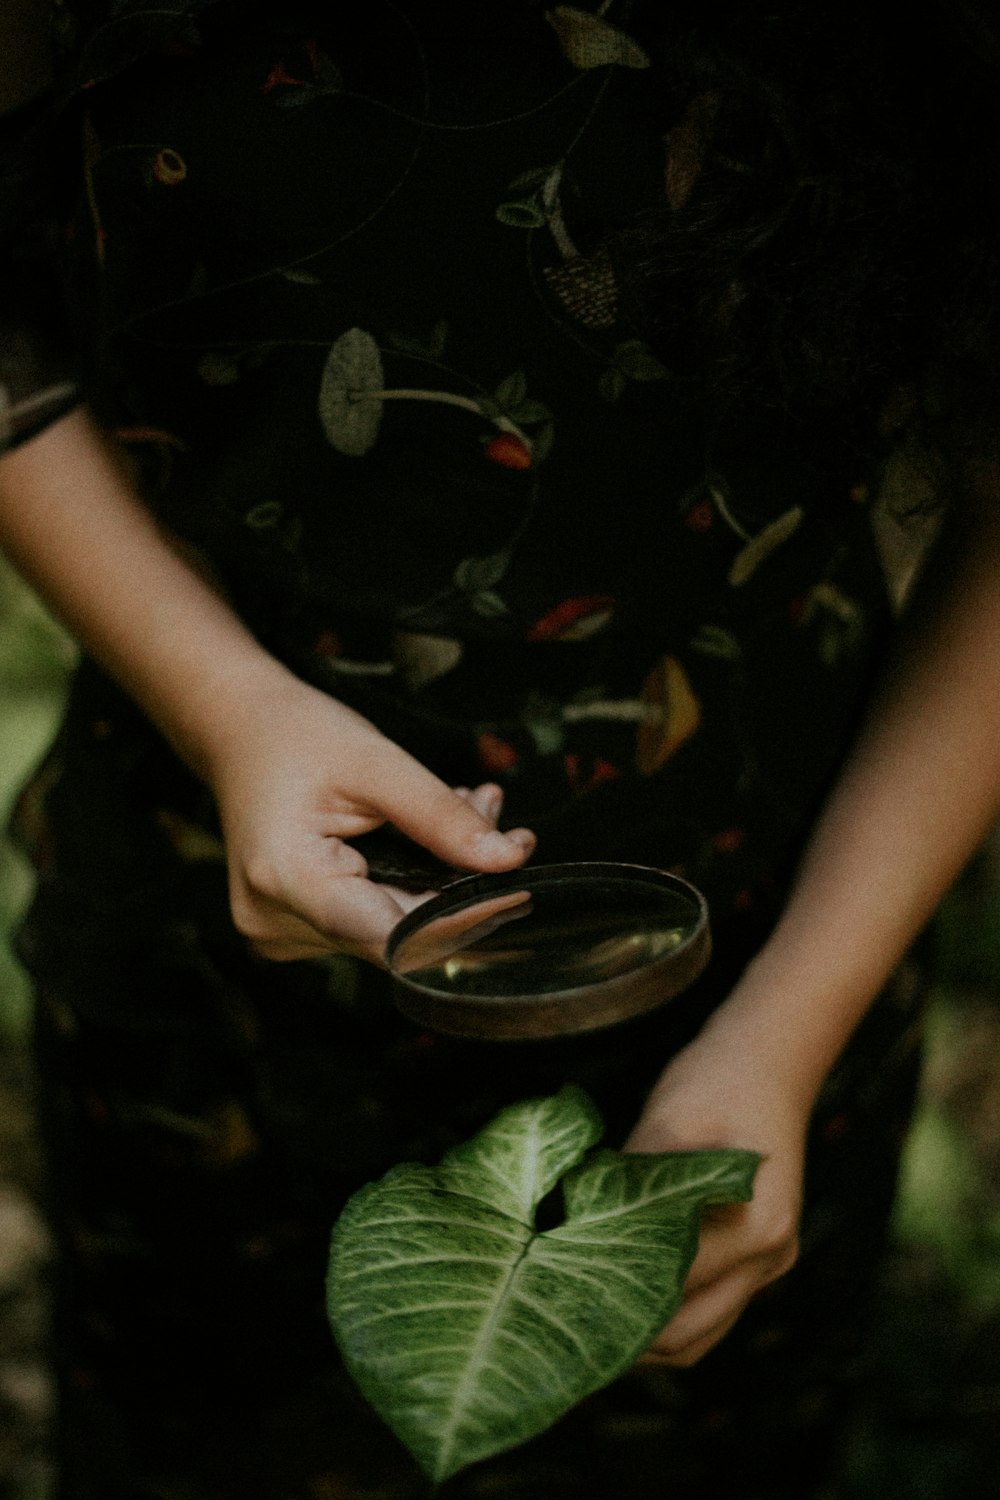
714	1094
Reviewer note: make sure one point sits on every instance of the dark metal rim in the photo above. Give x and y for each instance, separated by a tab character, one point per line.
580	1008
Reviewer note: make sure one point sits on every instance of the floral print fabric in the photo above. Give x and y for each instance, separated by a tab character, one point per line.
348	283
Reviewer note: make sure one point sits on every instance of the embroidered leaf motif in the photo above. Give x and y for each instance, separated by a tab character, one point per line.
265	515
469	1329
488	604
541	442
762	545
512	391
589	42
613	383
525	214
527	412
546	730
636	360
533	178
716	640
475	573
353	367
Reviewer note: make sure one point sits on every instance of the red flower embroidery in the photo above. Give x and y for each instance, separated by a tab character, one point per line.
279	77
700	516
328	643
508	449
574	619
729	840
601	770
496	755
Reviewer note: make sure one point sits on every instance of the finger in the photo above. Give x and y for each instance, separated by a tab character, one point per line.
725	1240
407	901
447	934
488	800
353	915
319	901
284	952
704	1312
764	1232
681	1356
278	932
429	812
313	943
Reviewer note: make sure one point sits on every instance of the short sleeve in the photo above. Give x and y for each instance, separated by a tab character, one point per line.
38	379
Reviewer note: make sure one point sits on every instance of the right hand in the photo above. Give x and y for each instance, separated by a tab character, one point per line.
296	776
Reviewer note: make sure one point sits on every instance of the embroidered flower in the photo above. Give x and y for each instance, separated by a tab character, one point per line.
574	619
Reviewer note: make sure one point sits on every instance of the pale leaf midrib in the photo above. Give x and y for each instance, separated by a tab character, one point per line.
485	1336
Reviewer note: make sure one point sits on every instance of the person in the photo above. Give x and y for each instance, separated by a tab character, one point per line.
485	409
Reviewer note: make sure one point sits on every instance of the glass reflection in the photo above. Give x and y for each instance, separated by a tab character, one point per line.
560	935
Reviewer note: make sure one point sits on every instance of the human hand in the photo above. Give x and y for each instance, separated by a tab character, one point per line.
716	1094
295	776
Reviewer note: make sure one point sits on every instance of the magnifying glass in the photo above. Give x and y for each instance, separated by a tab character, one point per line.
548	950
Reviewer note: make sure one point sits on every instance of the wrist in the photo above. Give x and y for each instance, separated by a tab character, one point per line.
790	1019
224	702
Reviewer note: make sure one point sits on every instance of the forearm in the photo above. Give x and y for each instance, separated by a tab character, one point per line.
917	796
70	522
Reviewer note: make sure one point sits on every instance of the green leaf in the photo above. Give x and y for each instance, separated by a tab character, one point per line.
716	640
512	391
541	443
348	407
546	731
469	1329
523	215
589	42
533	178
525	413
613	384
760	547
636	360
267	514
489	604
475	573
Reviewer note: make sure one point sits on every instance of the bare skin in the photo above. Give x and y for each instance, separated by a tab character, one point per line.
294	772
917	796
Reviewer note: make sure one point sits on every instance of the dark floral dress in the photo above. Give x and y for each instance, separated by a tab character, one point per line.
346	284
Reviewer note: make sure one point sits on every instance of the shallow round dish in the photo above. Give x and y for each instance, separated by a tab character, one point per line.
549	950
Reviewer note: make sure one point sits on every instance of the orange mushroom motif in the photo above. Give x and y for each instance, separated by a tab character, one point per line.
675	715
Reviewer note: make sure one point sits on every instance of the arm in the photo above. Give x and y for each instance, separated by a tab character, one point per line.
294	772
918	794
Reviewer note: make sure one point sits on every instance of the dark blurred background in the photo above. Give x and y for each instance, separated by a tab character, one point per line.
930	1427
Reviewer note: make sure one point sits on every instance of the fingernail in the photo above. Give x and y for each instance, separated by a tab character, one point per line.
521	836
491	845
